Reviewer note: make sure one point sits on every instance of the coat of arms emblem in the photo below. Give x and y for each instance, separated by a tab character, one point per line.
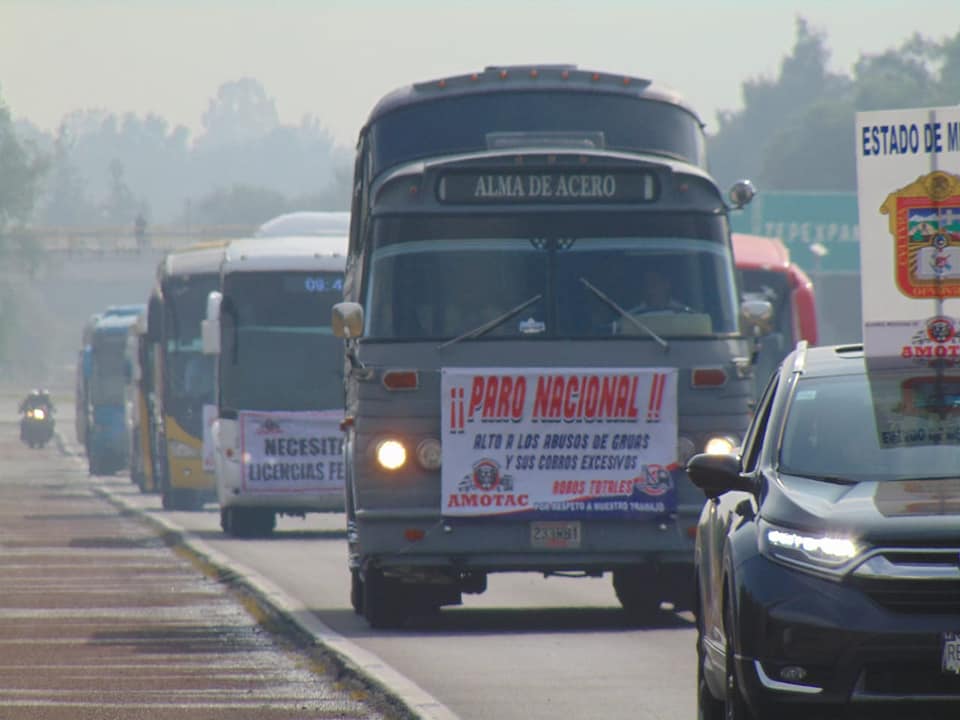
924	219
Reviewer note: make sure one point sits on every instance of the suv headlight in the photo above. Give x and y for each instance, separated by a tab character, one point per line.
182	450
817	552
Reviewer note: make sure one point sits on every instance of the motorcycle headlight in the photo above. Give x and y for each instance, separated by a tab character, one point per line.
817	552
38	414
182	450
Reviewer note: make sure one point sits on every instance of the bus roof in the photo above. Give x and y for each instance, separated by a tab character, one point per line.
286	253
200	258
757	252
499	78
114	324
306	222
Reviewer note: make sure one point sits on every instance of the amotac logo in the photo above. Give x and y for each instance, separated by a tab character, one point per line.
936	343
269	427
656	481
486	477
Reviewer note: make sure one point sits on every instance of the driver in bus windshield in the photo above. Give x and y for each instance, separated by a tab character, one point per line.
656	294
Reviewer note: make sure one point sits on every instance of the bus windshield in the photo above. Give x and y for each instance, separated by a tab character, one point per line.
279	352
108	379
580	274
188	373
469	123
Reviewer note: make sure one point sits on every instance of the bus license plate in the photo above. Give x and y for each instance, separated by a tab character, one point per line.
555	535
950	656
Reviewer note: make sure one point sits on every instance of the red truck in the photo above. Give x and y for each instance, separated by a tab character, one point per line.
767	273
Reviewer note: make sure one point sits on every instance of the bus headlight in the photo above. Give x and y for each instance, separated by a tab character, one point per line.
182	450
429	454
391	454
720	445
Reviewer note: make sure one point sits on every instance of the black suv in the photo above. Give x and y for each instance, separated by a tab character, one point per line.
828	552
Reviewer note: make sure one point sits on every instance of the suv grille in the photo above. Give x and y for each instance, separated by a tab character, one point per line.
911	580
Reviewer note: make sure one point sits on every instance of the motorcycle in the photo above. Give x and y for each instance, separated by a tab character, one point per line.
36	426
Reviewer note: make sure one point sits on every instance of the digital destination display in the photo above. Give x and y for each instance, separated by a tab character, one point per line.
547	187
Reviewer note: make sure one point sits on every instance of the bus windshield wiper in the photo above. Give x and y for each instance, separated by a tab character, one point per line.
491	324
623	313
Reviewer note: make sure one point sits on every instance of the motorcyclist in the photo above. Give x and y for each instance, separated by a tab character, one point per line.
37	398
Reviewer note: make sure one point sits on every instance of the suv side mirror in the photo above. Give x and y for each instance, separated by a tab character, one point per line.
717	474
210	327
347	320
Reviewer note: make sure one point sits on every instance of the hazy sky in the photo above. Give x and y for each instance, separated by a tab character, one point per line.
334	58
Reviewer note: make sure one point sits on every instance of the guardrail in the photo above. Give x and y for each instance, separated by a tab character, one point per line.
116	241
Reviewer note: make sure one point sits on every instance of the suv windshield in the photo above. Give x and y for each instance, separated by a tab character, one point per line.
438	277
873	427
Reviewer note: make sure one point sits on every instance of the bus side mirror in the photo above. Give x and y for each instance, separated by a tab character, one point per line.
741	193
347	320
757	316
210	327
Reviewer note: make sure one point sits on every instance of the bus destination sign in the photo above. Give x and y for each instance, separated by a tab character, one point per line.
547	187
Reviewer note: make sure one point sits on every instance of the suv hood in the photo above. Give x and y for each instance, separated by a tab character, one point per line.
877	511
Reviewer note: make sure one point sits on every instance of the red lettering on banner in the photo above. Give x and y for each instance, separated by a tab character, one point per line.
607	388
503	401
499	500
497	397
570	394
612	397
476	395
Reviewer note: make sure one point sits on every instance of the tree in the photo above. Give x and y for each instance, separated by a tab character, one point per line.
65	202
21	168
899	78
739	147
241	111
241	205
121	205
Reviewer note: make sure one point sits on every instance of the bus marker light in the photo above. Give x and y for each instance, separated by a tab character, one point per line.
626	81
442	84
429	454
534	74
503	74
401	380
692	532
414	534
595	77
474	77
565	75
708	377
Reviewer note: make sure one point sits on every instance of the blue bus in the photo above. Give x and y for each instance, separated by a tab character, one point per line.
106	369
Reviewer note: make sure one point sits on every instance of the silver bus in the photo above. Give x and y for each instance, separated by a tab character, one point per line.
542	324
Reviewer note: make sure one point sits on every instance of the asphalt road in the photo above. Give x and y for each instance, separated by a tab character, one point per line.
528	648
100	619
